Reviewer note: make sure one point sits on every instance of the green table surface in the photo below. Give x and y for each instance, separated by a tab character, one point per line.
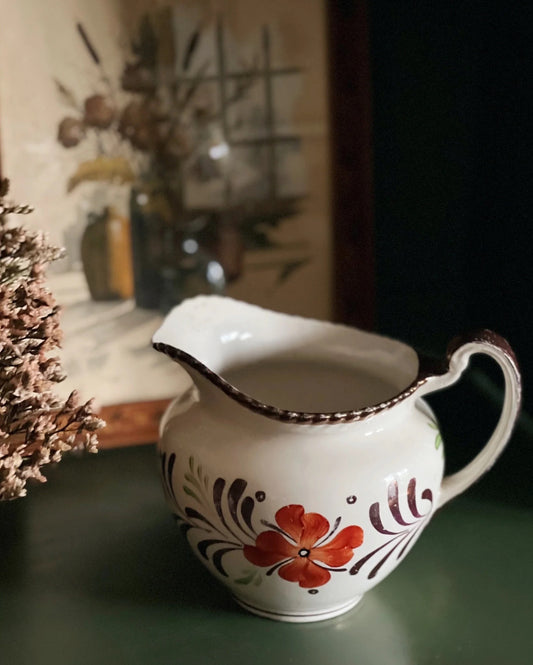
94	570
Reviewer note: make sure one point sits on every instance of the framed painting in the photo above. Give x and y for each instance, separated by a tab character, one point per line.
179	147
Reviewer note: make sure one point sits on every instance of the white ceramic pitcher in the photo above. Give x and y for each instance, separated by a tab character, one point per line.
301	461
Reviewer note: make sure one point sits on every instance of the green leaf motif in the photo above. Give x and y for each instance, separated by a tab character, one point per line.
438	436
191	493
249	577
194	481
198	482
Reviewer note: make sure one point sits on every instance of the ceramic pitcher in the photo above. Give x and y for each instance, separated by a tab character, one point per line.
300	459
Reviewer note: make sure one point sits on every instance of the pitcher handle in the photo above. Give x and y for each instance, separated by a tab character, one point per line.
458	354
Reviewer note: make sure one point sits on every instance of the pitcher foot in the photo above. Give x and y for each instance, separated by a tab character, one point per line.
298	617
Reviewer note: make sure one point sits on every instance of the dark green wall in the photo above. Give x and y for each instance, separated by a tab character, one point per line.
453	181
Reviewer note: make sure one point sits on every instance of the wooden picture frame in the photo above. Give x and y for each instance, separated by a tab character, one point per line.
352	275
351	163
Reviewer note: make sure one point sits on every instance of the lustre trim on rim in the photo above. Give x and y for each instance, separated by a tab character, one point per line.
428	368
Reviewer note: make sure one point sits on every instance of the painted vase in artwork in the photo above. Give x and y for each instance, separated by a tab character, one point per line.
106	255
171	259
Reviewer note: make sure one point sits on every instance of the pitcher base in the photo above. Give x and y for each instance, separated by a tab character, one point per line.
298	617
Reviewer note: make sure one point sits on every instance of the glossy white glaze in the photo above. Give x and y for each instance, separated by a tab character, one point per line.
300	520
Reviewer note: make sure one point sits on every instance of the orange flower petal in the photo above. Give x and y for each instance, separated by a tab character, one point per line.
340	550
270	548
314	527
289	518
305	572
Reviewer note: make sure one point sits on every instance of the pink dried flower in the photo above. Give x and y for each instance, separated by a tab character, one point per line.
36	426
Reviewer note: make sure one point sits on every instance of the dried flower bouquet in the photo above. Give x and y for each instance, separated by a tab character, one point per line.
36	426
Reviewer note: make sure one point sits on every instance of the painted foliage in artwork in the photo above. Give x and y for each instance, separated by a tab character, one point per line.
181	148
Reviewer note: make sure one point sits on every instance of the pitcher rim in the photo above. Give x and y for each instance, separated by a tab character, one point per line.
428	367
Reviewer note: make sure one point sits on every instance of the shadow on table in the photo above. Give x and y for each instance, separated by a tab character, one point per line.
160	571
155	566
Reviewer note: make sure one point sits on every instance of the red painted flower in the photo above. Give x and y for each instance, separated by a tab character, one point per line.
296	551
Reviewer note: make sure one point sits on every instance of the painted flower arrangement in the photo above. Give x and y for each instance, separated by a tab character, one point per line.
36	426
161	126
141	124
151	123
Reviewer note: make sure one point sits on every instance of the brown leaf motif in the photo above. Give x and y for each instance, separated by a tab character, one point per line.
400	539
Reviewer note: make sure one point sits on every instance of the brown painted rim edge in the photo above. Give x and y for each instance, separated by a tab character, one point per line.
427	368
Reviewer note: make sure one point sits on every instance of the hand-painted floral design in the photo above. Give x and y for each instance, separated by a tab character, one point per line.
409	528
300	549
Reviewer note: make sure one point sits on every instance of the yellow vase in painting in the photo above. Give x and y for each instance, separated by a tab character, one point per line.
106	256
